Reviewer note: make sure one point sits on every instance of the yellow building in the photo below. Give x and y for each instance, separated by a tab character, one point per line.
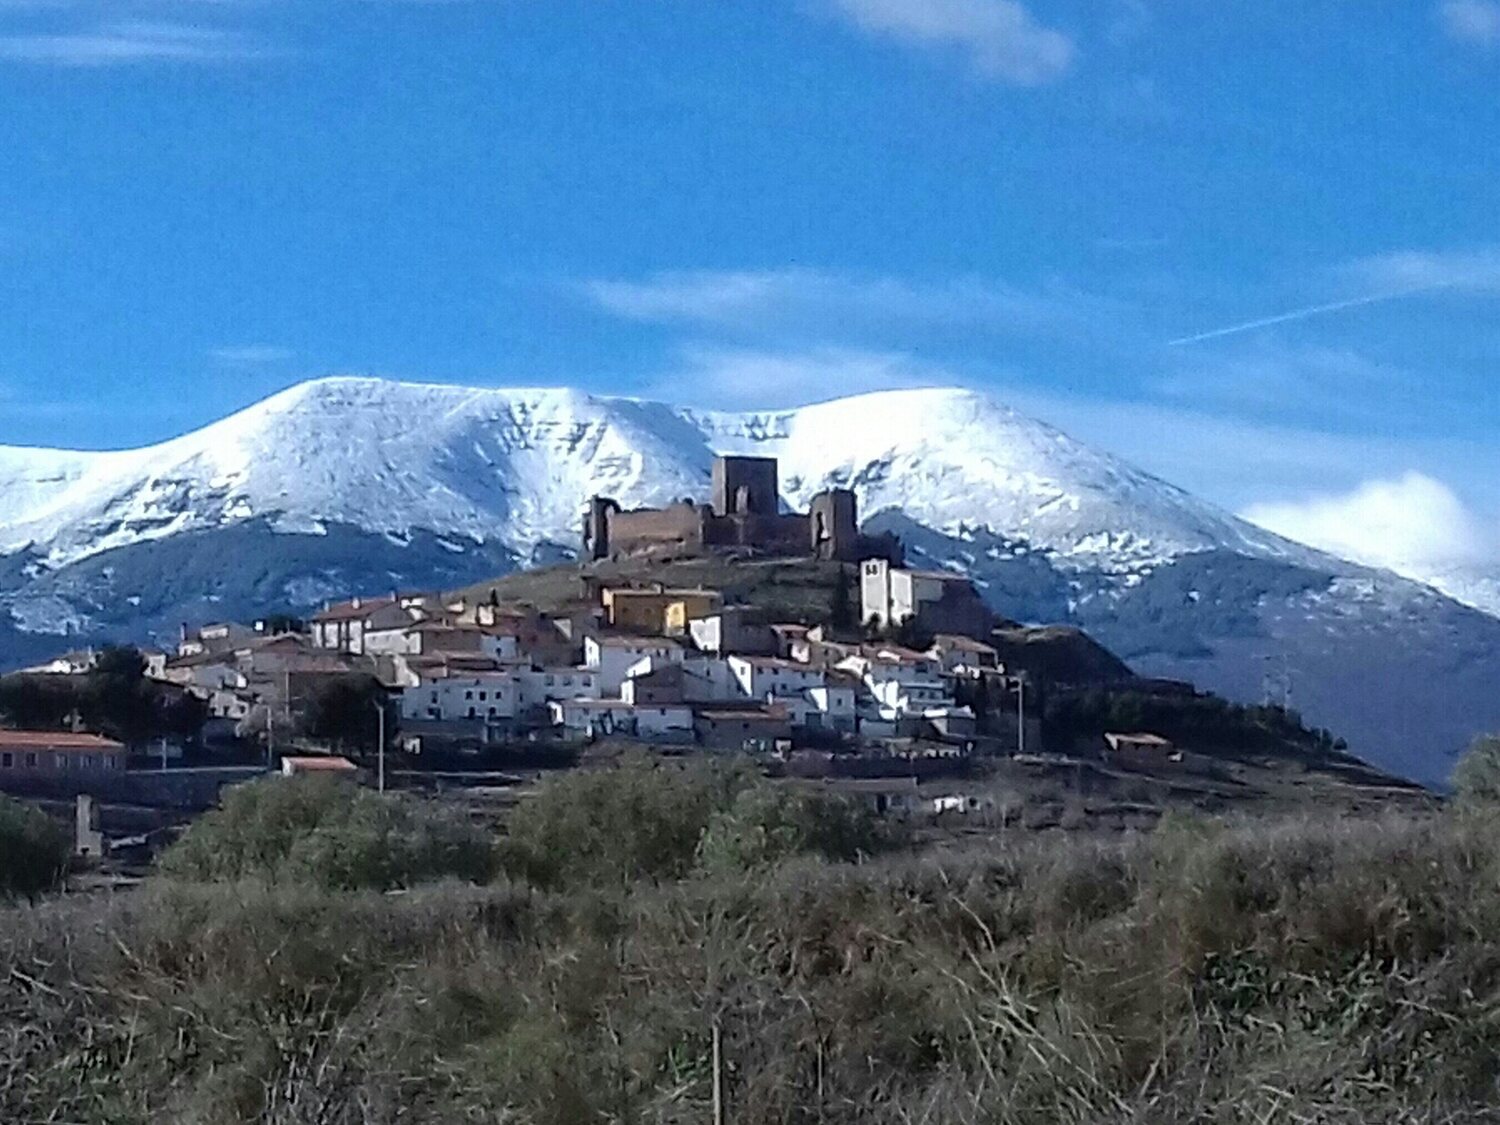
656	610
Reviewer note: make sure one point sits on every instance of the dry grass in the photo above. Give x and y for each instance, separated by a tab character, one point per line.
1302	971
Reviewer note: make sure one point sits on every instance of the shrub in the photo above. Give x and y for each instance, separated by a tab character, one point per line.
34	851
767	824
640	820
327	832
1476	778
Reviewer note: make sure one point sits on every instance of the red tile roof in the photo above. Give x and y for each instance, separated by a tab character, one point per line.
328	764
55	740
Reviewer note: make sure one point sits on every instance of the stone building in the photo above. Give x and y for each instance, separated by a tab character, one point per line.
744	510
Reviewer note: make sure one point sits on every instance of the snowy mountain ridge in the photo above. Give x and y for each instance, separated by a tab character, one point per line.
515	465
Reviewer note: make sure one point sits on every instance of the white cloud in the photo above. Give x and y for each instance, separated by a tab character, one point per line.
732	379
831	301
1413	524
1001	38
130	43
1472	21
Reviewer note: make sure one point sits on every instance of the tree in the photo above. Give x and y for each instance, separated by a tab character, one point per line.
34	851
1476	778
330	833
841	613
278	623
343	710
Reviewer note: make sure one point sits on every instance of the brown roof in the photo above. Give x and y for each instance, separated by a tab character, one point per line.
775	662
631	640
348	611
739	712
55	740
322	763
939	575
962	643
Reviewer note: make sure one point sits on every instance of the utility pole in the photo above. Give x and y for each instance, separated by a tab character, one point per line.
380	748
1020	715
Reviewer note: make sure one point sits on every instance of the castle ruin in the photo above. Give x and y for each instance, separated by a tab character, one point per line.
744	511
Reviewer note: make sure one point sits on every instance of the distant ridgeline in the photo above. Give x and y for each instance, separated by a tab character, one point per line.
745	511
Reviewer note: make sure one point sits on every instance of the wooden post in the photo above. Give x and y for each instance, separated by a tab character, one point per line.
718	1075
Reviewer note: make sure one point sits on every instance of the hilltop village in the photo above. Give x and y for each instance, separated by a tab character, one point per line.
727	626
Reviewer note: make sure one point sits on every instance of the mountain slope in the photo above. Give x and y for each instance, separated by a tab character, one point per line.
357	484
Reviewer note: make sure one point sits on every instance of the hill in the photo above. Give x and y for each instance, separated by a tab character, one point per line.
351	485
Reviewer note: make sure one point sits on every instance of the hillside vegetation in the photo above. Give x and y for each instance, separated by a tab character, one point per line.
1209	971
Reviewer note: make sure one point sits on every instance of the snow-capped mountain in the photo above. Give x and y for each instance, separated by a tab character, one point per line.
359	484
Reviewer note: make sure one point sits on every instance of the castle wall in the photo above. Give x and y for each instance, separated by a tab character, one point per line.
745	485
681	525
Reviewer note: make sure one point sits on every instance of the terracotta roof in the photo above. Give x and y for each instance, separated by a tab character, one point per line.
629	640
55	740
322	764
741	713
348	611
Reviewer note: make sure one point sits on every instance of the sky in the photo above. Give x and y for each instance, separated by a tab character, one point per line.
1253	248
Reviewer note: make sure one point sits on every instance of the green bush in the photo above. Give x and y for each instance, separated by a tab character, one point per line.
767	824
640	820
34	851
659	820
328	832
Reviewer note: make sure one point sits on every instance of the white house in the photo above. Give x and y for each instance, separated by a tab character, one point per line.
765	677
489	697
964	655
833	706
540	686
934	599
611	657
426	638
601	718
900	685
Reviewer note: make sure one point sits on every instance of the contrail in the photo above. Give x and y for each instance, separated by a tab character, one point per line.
1315	310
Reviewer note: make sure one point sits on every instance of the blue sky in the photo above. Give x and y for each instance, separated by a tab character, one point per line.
756	204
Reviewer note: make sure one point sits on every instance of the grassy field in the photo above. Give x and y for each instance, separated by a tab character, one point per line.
789	590
1304	968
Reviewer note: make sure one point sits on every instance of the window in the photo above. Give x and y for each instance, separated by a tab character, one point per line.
550	680
31	761
468	695
5	761
482	697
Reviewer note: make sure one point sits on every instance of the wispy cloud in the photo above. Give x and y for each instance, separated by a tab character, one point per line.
1472	21
1383	277
131	43
803	297
1001	38
1471	270
728	378
251	355
1306	313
